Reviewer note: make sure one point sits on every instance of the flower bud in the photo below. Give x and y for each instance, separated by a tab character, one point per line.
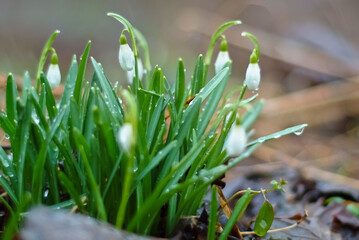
125	137
131	73
125	55
53	73
236	141
253	76
223	57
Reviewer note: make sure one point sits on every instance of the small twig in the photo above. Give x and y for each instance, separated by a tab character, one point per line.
4	194
284	228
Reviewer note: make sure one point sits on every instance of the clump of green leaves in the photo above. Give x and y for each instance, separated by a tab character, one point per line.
71	153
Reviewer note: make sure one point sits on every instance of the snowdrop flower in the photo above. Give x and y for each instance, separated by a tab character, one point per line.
237	140
125	137
53	73
253	76
125	55
131	73
223	57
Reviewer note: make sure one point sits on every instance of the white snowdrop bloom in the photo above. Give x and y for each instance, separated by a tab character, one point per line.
222	59
125	137
131	73
237	140
126	57
53	75
253	76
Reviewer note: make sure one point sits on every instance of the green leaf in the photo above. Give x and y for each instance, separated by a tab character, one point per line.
296	129
11	95
37	181
70	83
26	86
110	97
180	85
84	149
238	211
8	126
50	99
197	82
20	144
264	219
67	183
81	73
213	215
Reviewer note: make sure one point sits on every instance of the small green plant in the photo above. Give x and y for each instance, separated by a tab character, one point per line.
136	158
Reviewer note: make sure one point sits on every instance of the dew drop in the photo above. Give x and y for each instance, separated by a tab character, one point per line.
7	136
299	132
261	139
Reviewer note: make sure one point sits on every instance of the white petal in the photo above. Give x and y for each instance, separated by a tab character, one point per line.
253	76
125	136
131	73
53	75
236	141
126	57
222	59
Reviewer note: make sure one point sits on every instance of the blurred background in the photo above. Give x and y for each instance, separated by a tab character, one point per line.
309	61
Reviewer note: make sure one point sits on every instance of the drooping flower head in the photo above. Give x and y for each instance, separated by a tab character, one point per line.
236	141
125	137
253	76
253	73
125	55
223	56
53	73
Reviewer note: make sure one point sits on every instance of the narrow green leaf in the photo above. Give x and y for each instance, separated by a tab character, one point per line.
37	182
20	144
264	219
211	106
180	85
213	215
296	130
11	95
238	211
81	73
155	120
26	86
111	98
50	99
252	114
7	125
67	183
197	82
85	150
70	83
